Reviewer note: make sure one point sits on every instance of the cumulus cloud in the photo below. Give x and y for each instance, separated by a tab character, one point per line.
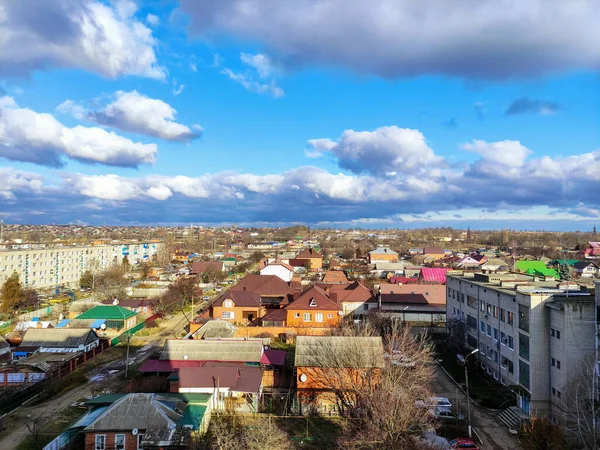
261	63
525	105
14	181
137	113
382	151
504	158
407	38
39	138
95	36
152	19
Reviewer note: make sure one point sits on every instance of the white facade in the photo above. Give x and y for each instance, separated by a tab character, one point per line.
49	267
529	333
279	271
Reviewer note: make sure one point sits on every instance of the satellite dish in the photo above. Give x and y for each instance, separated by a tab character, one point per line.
115	302
340	313
185	357
81	347
103	327
266	347
303	378
134	431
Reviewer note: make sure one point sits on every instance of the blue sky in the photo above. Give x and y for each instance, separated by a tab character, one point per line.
338	113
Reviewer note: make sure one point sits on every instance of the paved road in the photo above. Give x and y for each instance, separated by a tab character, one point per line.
493	433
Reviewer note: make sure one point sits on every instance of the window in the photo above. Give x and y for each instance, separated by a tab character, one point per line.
227	315
482	306
319	317
307	317
482	326
140	438
488	308
329	316
495	334
365	306
553	362
502	338
553	391
558	393
557	364
502	314
472	301
100	442
489	330
119	442
495	312
296	315
557	334
511	318
313	302
228	304
552	332
511	343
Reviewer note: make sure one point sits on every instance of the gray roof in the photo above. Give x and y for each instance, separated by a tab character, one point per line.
58	337
213	350
389	266
141	411
383	251
339	351
215	329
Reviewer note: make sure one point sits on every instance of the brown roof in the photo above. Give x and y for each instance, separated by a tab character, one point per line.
264	285
435	294
314	298
415	299
239	298
132	302
205	266
277	262
238	378
353	292
277	314
335	276
308	253
433	251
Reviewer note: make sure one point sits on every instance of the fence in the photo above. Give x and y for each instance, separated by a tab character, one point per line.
130	332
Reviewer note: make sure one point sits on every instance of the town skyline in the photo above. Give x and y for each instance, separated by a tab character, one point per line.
184	112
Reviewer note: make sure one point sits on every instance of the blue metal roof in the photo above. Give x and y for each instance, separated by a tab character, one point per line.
62	323
97	323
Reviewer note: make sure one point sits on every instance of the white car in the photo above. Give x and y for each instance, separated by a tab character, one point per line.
434	402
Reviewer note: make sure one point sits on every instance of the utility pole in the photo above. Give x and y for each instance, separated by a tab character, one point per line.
1	231
127	358
468	396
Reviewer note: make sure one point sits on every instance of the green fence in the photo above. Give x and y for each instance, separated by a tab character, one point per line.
130	332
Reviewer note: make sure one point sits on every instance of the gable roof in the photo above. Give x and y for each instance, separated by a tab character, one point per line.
237	350
583	264
415	299
339	352
353	292
314	298
264	285
58	337
308	253
107	312
238	378
278	262
142	411
383	251
204	266
240	298
535	268
335	276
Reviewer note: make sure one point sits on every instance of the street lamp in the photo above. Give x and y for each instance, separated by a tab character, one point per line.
404	315
467	383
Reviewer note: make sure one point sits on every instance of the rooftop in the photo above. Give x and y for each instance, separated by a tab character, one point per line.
339	352
107	312
58	337
213	350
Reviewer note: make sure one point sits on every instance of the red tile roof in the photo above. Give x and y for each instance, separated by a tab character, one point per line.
280	263
403	280
353	292
205	266
433	293
308	253
275	315
264	285
239	298
335	276
433	251
273	357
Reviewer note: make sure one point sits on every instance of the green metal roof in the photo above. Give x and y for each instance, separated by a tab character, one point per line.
107	312
536	268
570	262
190	398
193	416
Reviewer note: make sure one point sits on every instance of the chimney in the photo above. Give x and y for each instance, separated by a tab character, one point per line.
244	288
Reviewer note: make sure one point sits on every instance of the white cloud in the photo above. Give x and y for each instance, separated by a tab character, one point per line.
381	151
152	19
26	135
135	112
103	38
18	181
504	158
394	38
254	86
7	102
259	62
194	67
70	107
178	90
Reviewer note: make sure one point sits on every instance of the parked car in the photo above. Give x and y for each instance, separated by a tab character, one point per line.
446	414
464	443
206	298
434	402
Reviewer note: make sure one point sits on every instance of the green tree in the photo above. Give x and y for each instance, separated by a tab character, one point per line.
565	272
12	293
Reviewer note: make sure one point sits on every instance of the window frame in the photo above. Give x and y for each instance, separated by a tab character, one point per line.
103	436
227	315
305	316
319	316
124	441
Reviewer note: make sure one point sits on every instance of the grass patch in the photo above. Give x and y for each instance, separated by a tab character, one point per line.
312	432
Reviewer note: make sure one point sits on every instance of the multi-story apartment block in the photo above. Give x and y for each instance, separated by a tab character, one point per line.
531	333
53	266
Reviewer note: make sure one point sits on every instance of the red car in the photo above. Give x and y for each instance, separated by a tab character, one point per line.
464	443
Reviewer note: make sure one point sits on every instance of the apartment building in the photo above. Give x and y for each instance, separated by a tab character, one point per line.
52	266
531	333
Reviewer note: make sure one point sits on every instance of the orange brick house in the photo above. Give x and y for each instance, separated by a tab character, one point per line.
383	254
314	308
238	307
326	365
311	258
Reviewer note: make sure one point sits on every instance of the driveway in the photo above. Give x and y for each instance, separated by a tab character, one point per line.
493	433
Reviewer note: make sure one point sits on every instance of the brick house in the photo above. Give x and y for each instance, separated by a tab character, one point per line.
314	308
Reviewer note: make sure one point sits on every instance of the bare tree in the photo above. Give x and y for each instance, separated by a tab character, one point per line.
581	400
34	426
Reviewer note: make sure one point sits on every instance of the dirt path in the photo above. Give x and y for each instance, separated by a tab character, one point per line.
493	433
